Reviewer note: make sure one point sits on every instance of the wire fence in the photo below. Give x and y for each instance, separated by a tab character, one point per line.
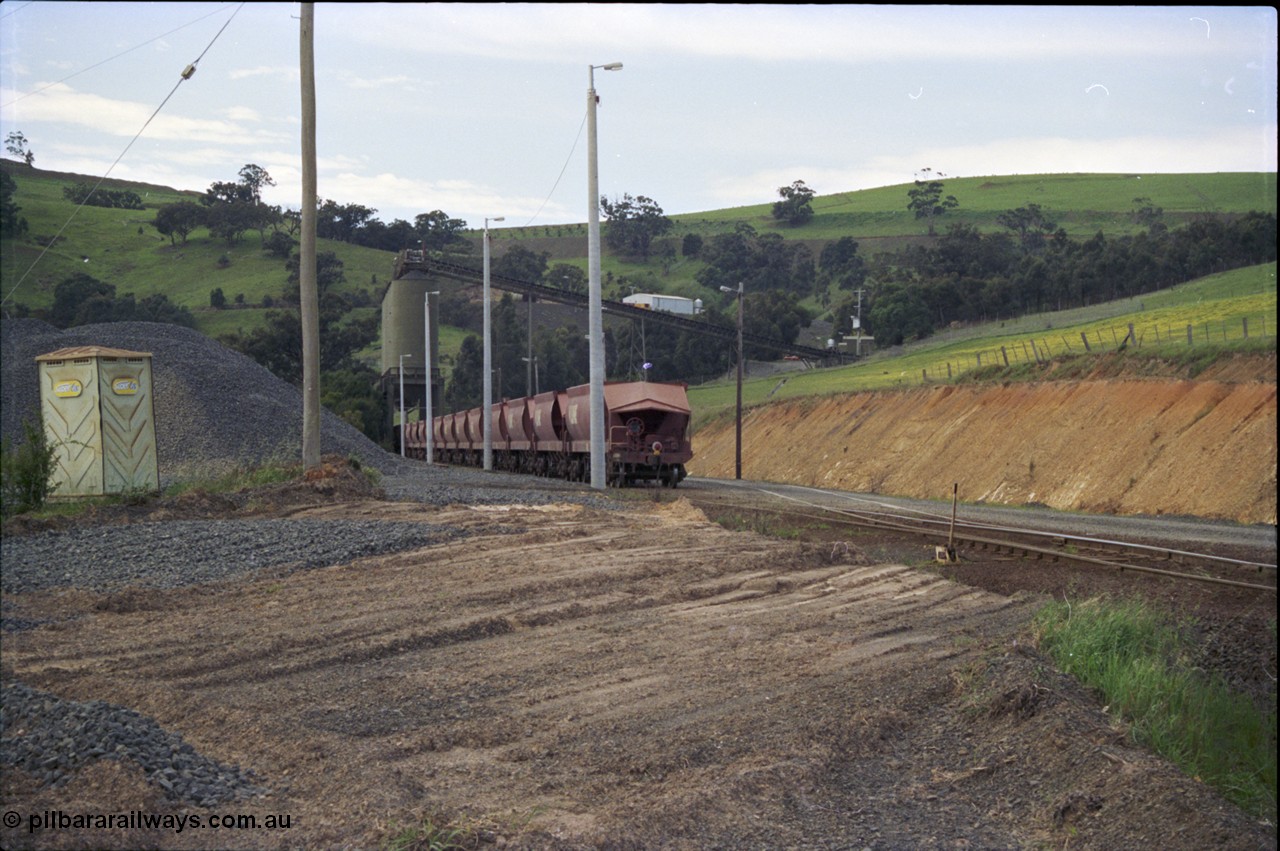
1043	348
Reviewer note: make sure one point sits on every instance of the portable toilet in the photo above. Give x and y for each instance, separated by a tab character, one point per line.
99	417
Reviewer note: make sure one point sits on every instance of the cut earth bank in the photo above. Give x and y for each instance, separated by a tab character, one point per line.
1204	447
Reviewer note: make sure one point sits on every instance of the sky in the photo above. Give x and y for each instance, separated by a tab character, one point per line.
479	110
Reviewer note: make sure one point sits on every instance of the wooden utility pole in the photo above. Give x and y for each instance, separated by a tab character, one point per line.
310	304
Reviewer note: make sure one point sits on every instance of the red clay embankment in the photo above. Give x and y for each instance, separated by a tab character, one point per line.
1203	447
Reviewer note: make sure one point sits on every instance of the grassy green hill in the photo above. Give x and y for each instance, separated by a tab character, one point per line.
1181	329
122	248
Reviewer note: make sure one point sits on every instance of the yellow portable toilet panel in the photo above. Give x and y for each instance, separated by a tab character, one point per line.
98	410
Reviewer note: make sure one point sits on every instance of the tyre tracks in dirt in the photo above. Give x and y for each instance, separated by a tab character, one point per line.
576	678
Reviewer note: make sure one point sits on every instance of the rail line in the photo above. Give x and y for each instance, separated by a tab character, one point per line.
1033	543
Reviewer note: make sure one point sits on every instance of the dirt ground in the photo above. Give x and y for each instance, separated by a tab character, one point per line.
569	678
1109	444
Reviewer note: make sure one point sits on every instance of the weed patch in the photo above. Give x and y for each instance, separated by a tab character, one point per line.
1139	662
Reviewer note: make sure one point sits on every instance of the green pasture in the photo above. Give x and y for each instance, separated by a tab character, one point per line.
1215	307
1081	203
122	248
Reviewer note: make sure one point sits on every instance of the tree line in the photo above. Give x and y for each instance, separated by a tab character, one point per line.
968	276
230	209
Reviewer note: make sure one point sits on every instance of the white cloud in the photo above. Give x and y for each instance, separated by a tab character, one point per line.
399	81
275	71
834	33
242	113
124	119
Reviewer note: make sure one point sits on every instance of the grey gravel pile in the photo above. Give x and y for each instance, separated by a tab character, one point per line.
215	409
51	738
188	552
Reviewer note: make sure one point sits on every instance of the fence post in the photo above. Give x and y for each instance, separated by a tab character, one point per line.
1084	338
1005	355
1188	333
948	370
979	359
1245	323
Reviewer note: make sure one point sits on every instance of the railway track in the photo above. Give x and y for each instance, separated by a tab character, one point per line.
957	539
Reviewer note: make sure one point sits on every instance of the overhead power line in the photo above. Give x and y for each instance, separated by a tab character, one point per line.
111	58
186	74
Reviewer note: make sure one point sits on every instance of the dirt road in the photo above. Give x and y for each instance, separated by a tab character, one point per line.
569	678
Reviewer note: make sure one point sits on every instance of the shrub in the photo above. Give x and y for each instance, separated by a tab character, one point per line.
26	472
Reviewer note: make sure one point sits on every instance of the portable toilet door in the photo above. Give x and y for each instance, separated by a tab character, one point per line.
98	412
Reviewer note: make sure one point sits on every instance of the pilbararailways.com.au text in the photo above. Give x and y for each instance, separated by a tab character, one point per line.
53	820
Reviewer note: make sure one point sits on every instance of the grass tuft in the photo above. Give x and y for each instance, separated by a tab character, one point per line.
1140	664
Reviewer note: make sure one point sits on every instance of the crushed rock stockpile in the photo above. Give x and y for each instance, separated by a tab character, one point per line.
1198	448
216	410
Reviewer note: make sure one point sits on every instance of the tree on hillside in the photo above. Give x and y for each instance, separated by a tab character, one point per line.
253	178
10	224
1147	214
521	264
633	224
840	264
898	313
330	272
795	207
691	245
438	232
774	314
179	219
759	262
234	208
927	201
567	277
278	345
341	221
1030	224
72	293
84	300
466	384
16	144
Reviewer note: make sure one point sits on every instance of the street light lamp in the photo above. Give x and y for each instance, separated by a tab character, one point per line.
737	453
487	415
402	423
429	416
595	321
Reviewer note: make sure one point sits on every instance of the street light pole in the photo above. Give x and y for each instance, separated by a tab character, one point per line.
737	452
429	415
533	368
487	414
594	301
402	422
